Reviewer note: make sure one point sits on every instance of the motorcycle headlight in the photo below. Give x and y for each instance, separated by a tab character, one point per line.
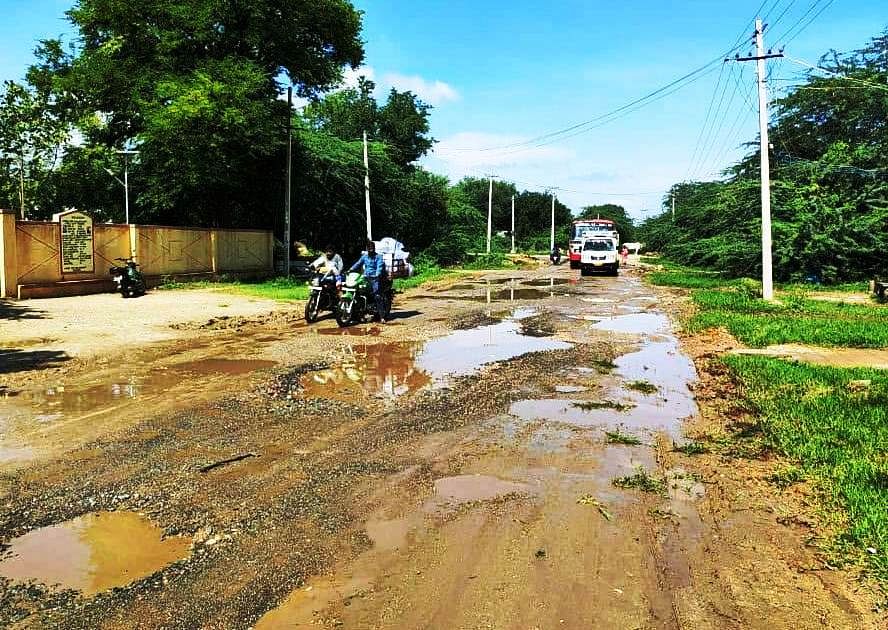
315	282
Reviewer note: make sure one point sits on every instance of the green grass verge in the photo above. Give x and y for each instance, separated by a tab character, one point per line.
837	437
284	289
690	279
792	319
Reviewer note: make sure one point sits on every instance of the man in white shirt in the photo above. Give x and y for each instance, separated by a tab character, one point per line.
330	261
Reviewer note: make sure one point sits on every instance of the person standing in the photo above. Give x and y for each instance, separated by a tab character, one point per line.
373	269
624	256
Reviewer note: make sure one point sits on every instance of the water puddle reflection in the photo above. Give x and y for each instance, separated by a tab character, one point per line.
92	553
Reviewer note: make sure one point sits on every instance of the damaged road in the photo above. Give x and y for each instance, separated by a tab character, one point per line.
511	452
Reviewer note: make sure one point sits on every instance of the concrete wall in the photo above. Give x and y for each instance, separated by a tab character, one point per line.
31	264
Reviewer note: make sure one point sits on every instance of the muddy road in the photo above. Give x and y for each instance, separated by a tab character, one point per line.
502	455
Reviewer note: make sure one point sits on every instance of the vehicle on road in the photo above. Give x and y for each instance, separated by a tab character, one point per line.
130	281
588	228
599	254
323	295
356	303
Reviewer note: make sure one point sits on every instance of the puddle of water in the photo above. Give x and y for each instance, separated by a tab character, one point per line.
54	403
92	553
14	454
352	331
547	282
635	324
390	370
379	370
832	357
232	367
301	606
388	535
469	488
465	351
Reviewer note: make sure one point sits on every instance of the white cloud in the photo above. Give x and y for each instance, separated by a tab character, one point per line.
469	153
432	92
351	75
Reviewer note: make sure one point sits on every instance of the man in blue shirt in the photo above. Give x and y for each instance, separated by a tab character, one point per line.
374	271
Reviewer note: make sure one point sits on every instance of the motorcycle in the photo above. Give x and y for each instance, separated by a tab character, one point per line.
324	296
356	301
130	281
555	256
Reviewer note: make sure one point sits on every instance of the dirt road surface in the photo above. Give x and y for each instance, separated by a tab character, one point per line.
501	455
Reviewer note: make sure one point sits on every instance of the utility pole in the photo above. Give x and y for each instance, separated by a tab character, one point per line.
552	235
673	207
765	165
367	188
288	244
513	224
489	213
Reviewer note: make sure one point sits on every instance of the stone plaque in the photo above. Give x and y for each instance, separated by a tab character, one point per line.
77	242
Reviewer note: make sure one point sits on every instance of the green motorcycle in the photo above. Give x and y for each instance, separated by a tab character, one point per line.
356	302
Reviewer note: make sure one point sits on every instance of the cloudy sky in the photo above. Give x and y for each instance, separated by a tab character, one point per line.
502	73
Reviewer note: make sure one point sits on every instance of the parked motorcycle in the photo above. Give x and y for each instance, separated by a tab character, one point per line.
130	281
356	302
324	296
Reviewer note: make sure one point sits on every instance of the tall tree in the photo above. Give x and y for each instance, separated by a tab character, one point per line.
31	139
195	84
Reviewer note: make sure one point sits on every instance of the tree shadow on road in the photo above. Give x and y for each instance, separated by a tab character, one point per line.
16	360
13	311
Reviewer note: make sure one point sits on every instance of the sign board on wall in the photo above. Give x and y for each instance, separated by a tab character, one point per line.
76	245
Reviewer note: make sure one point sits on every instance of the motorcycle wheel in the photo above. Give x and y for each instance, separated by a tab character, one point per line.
344	314
311	308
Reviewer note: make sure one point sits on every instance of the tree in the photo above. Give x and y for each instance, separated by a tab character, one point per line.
402	124
196	85
31	138
624	223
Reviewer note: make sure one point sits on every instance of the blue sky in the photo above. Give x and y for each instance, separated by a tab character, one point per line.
500	73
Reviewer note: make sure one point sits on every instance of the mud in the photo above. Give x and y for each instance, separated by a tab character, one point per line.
437	474
92	553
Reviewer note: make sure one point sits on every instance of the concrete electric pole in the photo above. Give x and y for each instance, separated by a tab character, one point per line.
552	235
765	164
288	239
513	224
489	213
367	189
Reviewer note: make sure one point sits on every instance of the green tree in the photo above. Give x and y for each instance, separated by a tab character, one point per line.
624	223
31	140
195	84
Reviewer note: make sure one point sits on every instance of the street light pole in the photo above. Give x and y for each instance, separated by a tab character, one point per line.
126	156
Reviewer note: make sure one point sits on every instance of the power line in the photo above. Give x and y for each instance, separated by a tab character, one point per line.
838	75
705	121
800	20
714	134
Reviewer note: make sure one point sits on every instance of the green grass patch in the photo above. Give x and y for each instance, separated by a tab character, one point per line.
493	261
692	448
283	289
836	436
641	480
642	386
592	405
618	437
791	319
604	365
689	279
423	273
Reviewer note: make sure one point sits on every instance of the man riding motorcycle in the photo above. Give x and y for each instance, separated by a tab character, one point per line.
330	261
373	269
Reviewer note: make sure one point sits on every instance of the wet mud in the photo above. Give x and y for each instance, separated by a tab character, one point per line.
449	473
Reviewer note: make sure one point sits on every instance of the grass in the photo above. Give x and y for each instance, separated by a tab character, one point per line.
792	319
283	289
604	365
642	386
690	279
692	448
641	480
592	405
618	437
836	437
